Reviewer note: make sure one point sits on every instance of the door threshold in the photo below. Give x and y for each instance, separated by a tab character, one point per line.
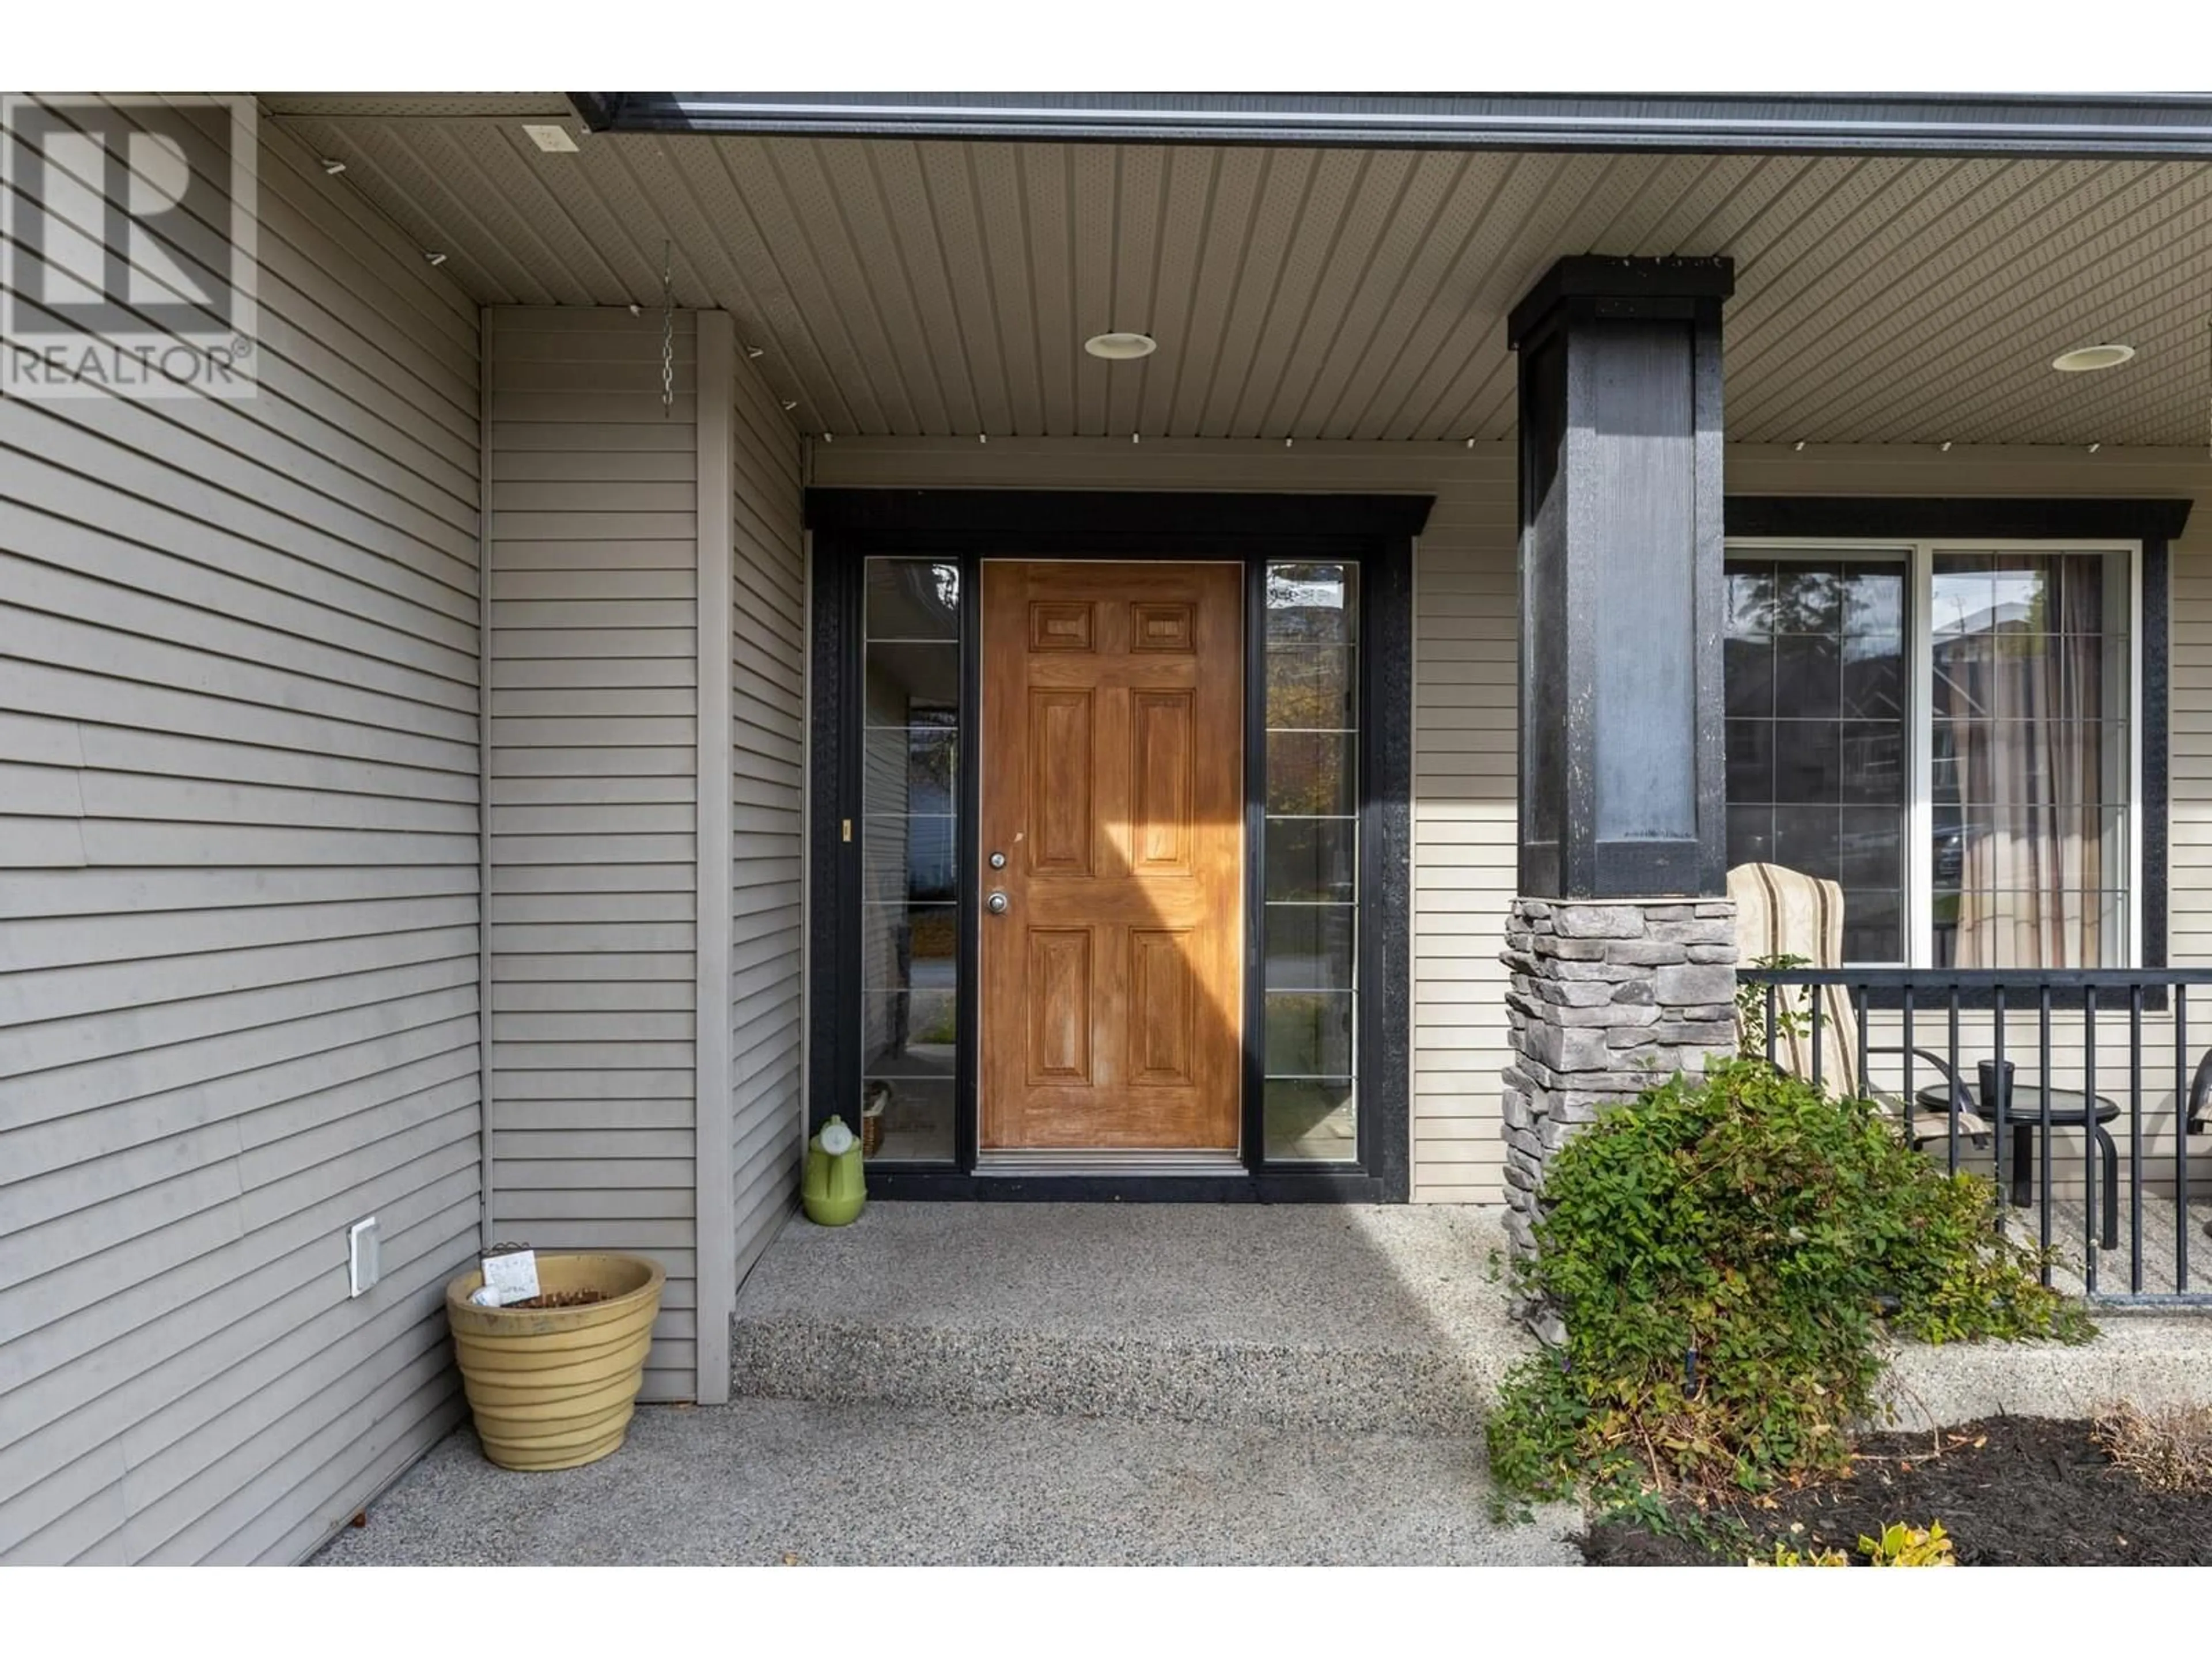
1150	1161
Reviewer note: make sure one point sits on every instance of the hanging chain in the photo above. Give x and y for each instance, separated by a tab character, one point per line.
667	334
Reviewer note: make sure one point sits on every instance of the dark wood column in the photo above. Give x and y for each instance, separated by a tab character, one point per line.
1621	786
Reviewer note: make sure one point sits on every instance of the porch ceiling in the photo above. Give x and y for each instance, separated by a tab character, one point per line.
945	287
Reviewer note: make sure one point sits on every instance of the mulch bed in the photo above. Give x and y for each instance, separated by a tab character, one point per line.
2010	1490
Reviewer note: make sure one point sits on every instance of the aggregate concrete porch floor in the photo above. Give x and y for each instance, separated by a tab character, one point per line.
1362	1319
2070	1231
1305	1273
766	1482
1050	1382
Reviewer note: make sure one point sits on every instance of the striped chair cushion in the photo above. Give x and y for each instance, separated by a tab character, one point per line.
1780	912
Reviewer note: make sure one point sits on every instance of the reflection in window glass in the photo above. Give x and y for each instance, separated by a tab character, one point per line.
910	786
2026	733
1815	732
1309	861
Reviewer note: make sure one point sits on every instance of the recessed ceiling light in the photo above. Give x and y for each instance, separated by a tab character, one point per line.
1121	348
2083	359
553	140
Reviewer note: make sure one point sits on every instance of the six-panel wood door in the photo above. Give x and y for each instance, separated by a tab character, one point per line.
1113	781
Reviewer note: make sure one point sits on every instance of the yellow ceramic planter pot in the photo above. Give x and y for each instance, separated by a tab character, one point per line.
553	1387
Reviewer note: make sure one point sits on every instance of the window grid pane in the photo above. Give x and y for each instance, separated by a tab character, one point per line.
1310	863
2029	760
2028	752
1816	734
910	877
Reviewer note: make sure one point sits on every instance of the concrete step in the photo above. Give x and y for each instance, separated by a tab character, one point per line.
1375	1320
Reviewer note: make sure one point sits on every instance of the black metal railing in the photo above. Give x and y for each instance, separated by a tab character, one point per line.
1964	1083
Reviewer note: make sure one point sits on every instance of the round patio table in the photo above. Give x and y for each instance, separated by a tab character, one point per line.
2023	1115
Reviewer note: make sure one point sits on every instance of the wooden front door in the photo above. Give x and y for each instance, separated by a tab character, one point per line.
1113	782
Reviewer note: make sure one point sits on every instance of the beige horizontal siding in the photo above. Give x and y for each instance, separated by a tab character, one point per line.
594	791
237	916
768	728
1464	680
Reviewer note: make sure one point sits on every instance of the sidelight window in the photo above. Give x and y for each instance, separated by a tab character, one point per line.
909	864
1310	860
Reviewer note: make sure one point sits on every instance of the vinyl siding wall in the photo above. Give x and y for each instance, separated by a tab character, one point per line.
1464	690
594	684
768	748
237	916
596	561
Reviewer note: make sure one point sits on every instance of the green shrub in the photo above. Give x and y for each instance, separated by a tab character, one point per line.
1792	1016
1725	1253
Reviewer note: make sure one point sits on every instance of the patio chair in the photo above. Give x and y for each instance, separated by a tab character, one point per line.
2200	1094
1781	912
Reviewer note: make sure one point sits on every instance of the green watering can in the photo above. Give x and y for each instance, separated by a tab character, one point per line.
835	1187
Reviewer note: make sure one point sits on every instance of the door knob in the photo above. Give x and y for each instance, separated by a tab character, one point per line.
996	904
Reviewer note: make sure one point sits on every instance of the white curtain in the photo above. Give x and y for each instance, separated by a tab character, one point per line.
2022	689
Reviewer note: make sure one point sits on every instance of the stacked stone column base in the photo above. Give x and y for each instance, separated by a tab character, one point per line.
1607	998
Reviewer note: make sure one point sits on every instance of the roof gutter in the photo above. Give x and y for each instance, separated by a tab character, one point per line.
2145	126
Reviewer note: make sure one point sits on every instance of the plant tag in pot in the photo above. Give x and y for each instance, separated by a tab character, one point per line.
511	1275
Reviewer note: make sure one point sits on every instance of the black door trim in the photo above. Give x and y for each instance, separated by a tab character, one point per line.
1374	532
1094	523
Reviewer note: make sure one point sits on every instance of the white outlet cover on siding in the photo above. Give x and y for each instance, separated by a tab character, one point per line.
364	1264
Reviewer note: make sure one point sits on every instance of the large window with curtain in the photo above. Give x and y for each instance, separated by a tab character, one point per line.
1947	732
